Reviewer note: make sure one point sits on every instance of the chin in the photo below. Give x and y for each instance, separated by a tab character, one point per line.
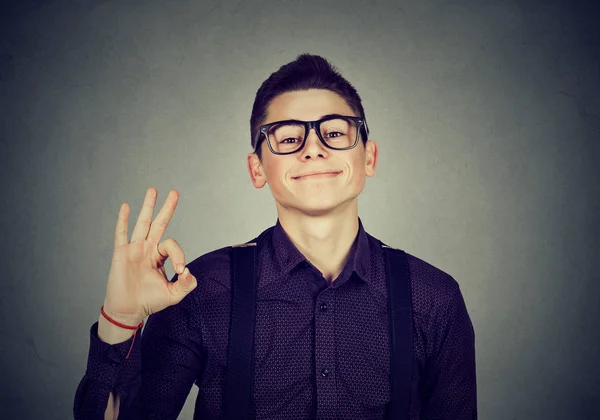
317	211
316	208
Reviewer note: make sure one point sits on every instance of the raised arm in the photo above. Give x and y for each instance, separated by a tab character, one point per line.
137	287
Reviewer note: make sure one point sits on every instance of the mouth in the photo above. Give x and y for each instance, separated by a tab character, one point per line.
329	174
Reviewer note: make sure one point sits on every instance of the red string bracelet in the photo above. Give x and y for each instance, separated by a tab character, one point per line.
128	327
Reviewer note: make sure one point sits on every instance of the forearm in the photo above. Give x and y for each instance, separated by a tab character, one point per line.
112	334
111	379
112	409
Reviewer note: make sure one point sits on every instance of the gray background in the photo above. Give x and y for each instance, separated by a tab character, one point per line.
487	115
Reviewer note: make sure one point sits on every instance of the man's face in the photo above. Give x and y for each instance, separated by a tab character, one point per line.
319	194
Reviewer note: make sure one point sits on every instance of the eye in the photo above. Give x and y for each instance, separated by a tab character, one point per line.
334	134
285	141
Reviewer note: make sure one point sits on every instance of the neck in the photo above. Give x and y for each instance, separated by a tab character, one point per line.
325	240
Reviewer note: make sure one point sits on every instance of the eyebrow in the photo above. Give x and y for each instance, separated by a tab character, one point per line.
330	115
320	118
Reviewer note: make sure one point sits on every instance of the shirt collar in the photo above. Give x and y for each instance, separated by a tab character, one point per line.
287	256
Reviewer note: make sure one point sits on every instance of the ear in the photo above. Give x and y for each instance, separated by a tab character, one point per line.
371	155
256	171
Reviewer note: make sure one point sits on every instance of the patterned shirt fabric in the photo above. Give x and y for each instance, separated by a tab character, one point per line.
321	350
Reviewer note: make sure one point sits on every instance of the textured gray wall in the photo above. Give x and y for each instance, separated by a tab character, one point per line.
487	114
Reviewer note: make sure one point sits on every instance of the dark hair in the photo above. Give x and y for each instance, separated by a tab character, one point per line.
305	72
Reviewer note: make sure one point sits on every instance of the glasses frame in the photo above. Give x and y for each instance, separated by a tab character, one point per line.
263	131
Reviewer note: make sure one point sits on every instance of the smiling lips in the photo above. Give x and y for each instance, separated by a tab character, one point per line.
318	174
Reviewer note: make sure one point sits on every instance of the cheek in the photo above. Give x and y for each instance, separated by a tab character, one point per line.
276	180
357	180
277	189
358	167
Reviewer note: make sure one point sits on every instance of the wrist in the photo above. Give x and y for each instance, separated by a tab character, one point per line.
112	334
130	320
113	331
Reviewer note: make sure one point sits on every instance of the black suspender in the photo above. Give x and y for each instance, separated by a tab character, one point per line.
401	340
239	380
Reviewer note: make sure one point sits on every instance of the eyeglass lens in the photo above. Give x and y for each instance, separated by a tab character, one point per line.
338	133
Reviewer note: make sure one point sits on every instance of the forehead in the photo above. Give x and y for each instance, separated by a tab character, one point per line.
306	105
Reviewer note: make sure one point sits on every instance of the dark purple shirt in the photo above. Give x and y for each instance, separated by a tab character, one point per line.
321	350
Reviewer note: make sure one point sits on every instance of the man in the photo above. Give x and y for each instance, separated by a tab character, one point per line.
322	342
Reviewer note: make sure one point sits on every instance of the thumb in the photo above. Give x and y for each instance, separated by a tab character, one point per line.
186	282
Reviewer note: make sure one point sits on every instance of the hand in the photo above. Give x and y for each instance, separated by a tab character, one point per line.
137	282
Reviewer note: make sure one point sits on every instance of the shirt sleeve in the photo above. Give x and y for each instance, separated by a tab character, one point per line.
153	386
450	383
107	370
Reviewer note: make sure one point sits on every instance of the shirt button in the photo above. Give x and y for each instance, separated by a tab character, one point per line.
324	372
323	306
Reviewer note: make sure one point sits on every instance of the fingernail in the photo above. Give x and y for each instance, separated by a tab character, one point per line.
180	268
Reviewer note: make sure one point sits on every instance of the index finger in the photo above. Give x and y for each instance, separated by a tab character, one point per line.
121	228
159	225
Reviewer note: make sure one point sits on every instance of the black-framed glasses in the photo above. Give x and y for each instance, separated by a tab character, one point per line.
338	132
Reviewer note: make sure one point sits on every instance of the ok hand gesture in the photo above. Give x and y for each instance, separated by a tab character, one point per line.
137	282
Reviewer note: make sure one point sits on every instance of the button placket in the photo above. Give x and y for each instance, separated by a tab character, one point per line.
324	354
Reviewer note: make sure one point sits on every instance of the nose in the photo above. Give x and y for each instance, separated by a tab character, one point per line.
313	146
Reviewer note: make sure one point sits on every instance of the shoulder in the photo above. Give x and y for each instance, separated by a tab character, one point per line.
211	263
215	266
433	289
427	276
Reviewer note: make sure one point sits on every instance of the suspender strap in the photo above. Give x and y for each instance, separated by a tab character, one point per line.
239	379
401	340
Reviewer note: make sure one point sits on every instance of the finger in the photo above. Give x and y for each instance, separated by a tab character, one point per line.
140	231
169	248
121	229
159	225
186	282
